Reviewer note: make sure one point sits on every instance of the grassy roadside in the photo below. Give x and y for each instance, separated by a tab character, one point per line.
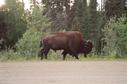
57	57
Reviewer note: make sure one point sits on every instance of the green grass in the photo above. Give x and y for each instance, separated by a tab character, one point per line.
17	56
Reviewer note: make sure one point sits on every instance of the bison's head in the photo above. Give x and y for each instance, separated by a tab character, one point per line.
88	45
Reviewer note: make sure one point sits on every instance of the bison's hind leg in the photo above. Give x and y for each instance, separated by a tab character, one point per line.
40	54
46	50
43	52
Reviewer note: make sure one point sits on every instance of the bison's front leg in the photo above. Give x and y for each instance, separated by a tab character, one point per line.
85	55
64	53
76	56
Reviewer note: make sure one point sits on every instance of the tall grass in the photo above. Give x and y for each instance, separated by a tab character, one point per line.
52	56
15	56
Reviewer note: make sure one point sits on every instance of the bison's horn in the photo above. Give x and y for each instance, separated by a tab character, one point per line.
88	41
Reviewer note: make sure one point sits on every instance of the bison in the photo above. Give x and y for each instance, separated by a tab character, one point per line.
70	42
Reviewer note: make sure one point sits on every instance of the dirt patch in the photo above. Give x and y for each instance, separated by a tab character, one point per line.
64	72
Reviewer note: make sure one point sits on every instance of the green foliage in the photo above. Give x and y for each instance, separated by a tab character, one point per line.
14	56
29	44
79	20
28	27
114	8
57	11
3	25
37	20
93	28
15	20
115	33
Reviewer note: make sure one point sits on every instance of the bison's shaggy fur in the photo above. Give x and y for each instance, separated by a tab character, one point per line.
70	42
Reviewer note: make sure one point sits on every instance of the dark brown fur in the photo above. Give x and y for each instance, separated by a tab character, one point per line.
71	42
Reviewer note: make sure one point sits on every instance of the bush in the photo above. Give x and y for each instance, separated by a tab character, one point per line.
115	36
28	45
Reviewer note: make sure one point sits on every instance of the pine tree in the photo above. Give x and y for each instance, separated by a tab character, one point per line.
3	27
93	30
77	21
114	8
15	20
85	26
56	10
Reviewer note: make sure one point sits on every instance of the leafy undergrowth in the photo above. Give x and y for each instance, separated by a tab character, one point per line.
17	56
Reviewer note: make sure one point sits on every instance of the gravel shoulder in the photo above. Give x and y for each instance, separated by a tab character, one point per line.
64	72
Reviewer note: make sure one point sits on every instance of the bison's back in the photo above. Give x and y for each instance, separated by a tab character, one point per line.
55	42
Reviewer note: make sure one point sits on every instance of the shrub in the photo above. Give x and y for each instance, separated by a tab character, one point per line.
28	45
115	36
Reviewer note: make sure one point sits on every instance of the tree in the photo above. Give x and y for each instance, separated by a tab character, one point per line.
115	36
35	18
78	15
38	25
3	27
93	27
15	20
56	11
85	23
66	14
114	8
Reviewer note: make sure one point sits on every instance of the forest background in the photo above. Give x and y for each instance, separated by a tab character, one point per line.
21	29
